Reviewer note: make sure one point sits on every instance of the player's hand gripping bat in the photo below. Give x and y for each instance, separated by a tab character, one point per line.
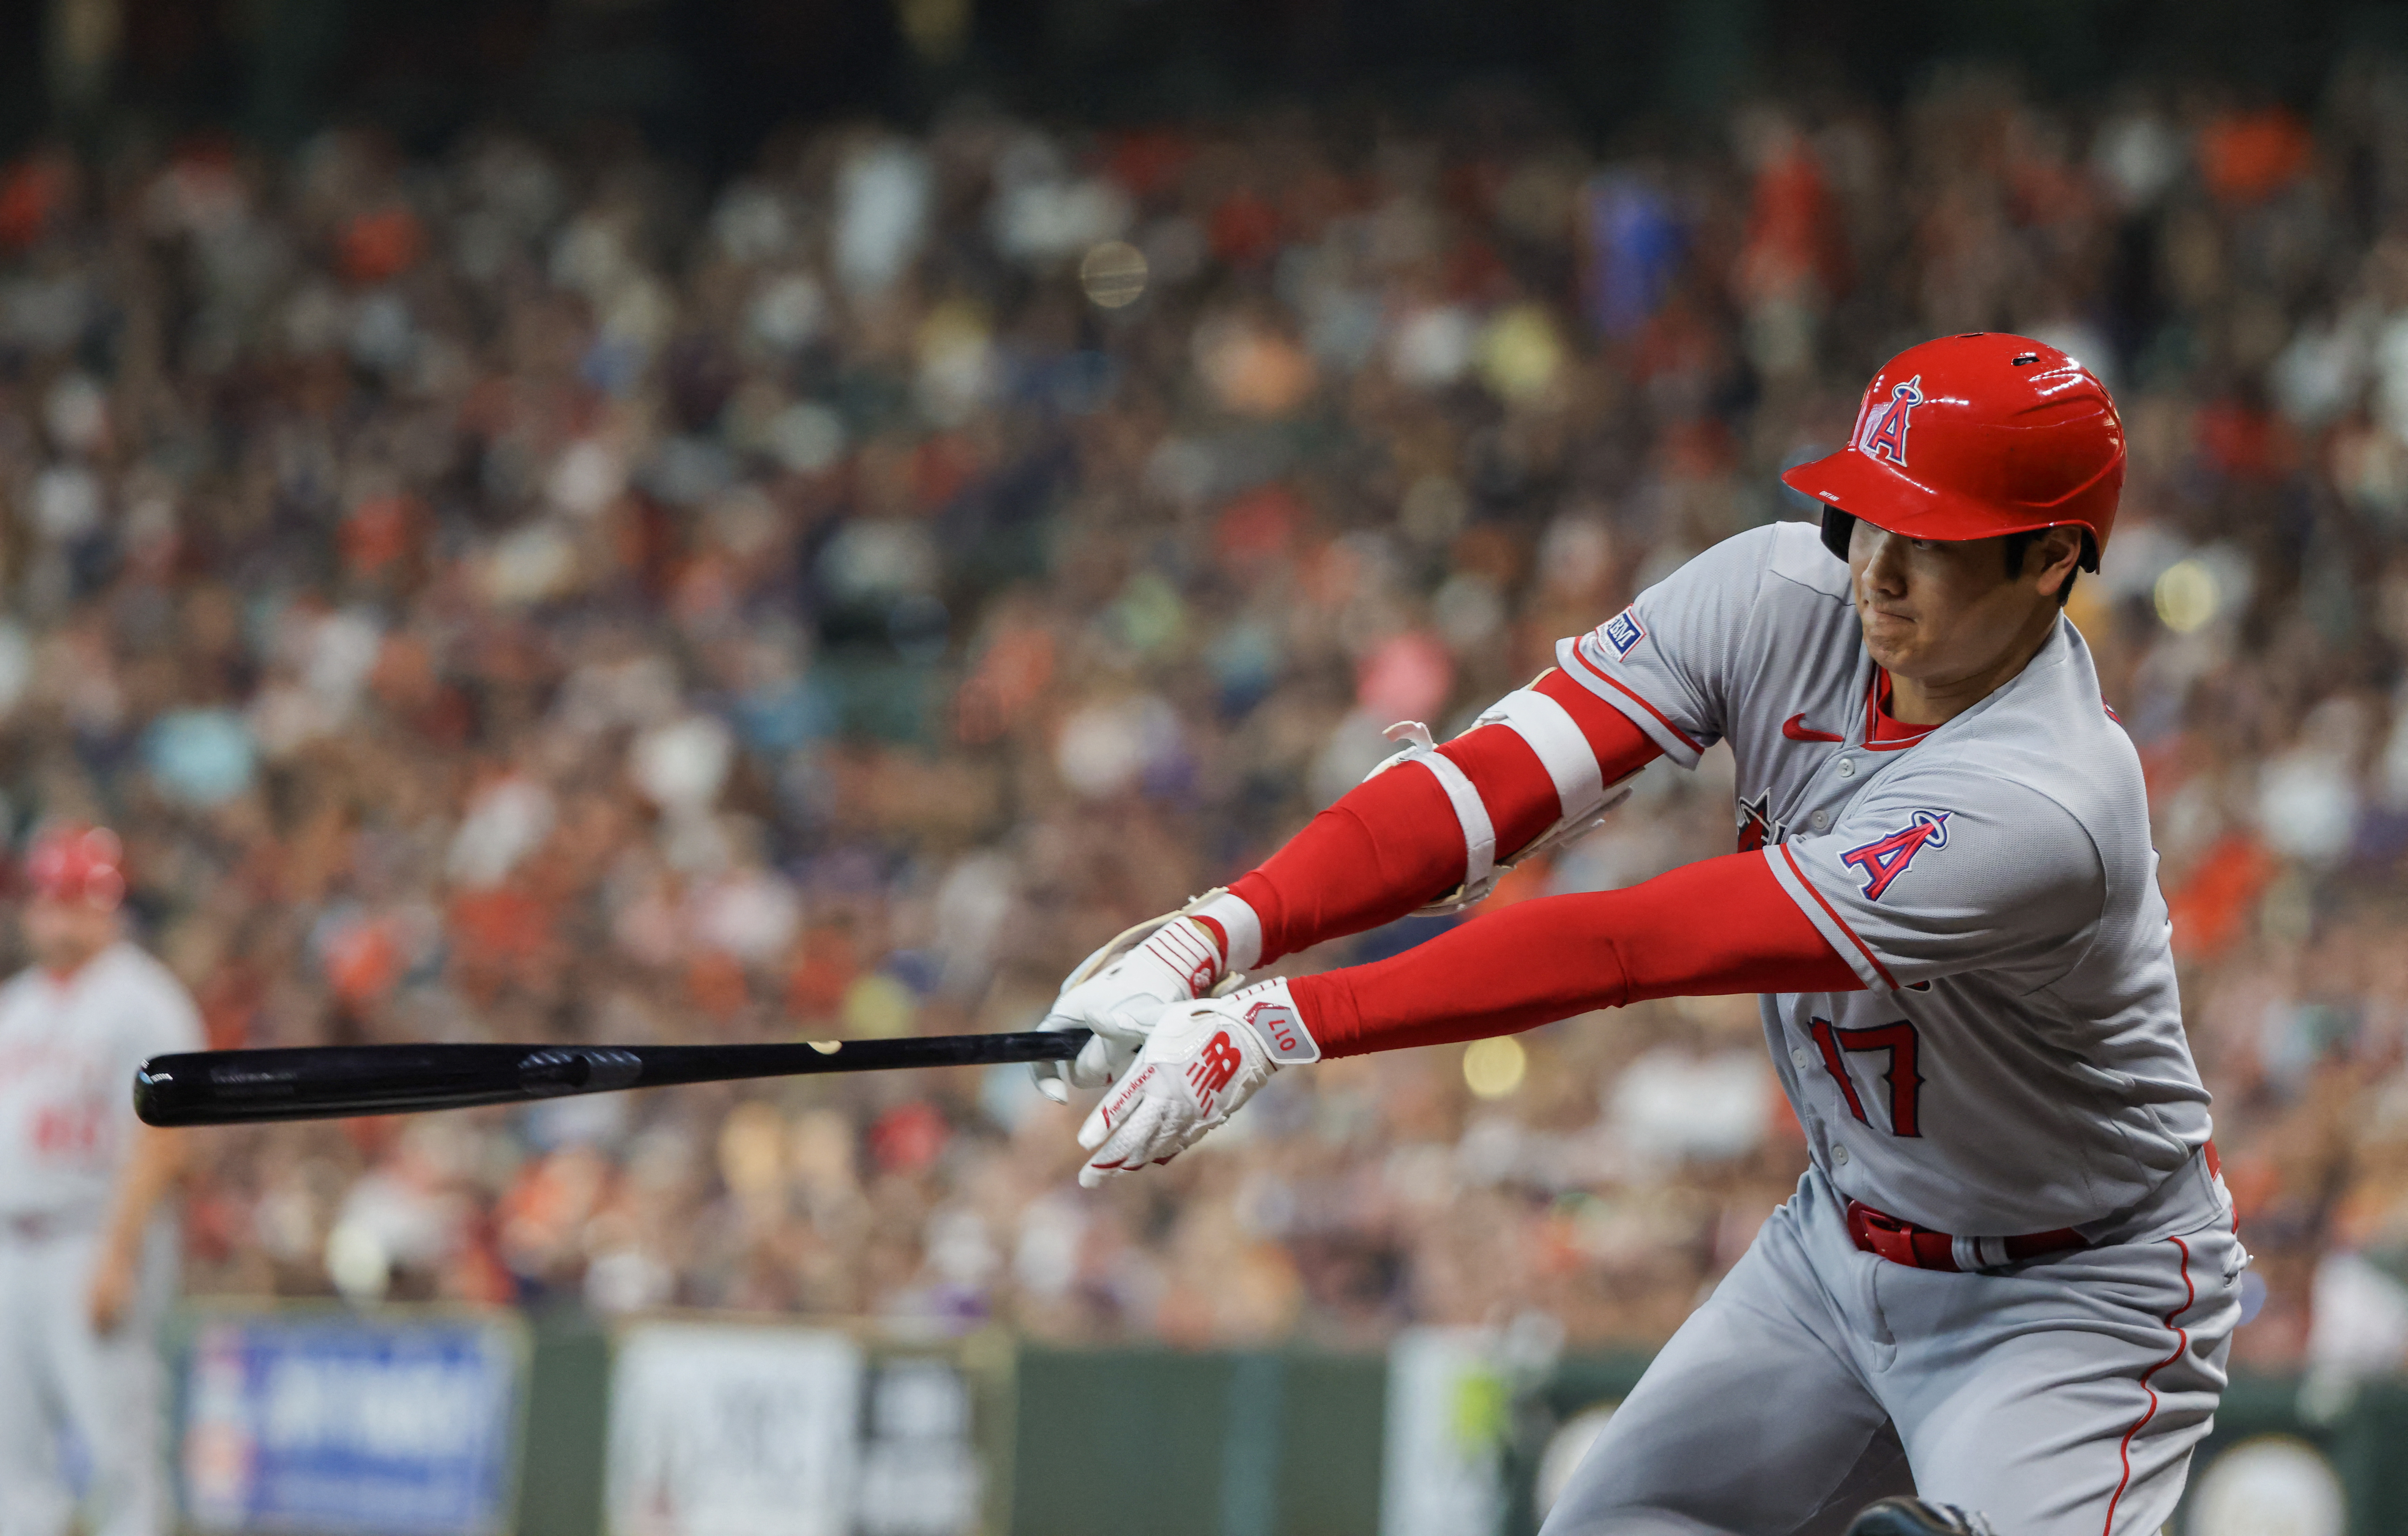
312	1083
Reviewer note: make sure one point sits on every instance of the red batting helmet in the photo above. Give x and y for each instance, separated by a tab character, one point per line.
77	863
1971	437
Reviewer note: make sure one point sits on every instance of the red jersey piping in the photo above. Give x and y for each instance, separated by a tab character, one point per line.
1873	716
2182	1342
1594	670
1862	948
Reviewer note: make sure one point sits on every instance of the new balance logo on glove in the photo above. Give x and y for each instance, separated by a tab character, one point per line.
1201	1061
1210	1072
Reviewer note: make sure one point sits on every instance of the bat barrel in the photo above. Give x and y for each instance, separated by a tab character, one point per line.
225	1087
305	1083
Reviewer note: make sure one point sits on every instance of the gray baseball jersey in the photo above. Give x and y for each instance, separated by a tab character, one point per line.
68	1054
2015	1065
2018	1062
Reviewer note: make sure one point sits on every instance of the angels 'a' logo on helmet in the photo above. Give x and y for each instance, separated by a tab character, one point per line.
1884	434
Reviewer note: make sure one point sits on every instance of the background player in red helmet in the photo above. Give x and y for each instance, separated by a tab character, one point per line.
87	1266
2008	1276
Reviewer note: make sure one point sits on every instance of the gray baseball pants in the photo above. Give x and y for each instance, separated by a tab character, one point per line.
2060	1397
55	1372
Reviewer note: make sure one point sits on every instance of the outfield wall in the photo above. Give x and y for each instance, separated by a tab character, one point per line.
446	1422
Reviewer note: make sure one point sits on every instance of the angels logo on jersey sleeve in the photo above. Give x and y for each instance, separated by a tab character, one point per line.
1888	856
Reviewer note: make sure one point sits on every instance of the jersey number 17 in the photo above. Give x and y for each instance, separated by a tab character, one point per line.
1904	1081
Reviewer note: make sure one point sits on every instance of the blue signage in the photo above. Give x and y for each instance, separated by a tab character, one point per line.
402	1428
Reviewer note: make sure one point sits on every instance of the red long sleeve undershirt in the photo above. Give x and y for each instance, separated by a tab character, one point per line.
1719	925
1393	844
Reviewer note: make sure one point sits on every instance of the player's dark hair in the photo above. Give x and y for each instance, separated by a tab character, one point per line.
1838	529
2017	544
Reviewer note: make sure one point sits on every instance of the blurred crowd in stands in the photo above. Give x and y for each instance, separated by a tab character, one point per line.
533	593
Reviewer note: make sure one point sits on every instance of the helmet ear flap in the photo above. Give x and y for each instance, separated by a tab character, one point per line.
1837	528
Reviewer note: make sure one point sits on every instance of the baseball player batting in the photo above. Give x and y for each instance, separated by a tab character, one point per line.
2010	1273
87	1266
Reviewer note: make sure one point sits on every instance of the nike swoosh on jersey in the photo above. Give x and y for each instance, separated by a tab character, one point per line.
1795	728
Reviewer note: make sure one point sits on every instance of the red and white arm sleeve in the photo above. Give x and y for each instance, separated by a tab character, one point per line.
1721	926
1404	837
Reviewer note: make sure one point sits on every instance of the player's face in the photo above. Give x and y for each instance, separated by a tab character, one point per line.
1940	612
63	935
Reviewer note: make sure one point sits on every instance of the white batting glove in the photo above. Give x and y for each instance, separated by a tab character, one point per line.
1119	1001
1200	1061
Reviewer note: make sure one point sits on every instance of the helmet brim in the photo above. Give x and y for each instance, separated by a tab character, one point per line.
1891	499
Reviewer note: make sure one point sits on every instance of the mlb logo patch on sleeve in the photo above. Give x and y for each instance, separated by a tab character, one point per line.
1622	631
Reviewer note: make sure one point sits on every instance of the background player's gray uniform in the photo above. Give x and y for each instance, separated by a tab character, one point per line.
68	1054
2016	1064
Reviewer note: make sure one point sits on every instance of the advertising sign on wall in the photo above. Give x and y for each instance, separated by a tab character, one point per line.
921	1474
1447	1403
742	1429
339	1423
721	1431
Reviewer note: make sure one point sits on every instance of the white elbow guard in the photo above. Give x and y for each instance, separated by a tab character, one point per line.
1582	794
1479	837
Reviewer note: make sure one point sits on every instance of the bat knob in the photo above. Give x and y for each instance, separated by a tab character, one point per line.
150	1086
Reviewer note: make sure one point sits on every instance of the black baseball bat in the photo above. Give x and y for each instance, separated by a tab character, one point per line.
321	1082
